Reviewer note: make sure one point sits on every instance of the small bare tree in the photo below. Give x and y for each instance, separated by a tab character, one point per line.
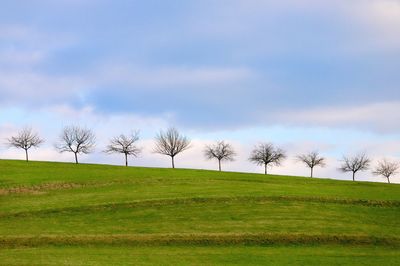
76	140
266	154
221	151
387	169
311	159
354	164
25	139
126	145
171	143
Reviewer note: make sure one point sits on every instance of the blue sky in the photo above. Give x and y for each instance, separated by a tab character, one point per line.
305	75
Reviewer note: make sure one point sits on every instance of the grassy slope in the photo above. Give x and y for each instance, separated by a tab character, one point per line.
50	210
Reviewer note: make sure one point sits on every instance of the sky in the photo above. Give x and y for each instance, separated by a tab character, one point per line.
303	74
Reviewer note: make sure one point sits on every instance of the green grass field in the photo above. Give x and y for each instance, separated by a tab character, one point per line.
67	214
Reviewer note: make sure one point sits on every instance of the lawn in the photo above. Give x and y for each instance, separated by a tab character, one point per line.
67	214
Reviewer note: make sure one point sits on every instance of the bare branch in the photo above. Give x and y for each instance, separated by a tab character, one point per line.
266	154
25	139
76	140
221	151
354	164
171	143
311	159
126	145
386	169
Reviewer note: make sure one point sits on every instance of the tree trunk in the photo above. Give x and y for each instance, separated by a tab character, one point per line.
26	155
126	159
219	165
354	173
265	169
76	157
388	180
312	169
173	162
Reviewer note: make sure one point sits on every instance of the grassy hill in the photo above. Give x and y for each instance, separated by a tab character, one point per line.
66	214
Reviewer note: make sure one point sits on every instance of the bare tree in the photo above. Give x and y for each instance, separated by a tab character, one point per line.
171	143
25	139
311	159
126	145
386	168
354	164
221	151
76	140
266	154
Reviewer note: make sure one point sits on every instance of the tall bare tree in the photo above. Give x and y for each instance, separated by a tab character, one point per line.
354	164
77	140
221	151
311	159
125	145
267	155
25	139
171	143
387	169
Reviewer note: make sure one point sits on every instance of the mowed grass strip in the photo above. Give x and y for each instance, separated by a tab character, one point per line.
202	255
204	216
194	239
190	201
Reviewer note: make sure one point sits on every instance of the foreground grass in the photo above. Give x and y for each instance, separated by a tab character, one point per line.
201	255
60	213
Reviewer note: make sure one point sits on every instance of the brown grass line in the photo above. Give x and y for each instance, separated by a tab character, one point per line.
39	189
195	239
211	200
45	187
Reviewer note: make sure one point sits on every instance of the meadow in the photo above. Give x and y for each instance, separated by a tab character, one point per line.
85	214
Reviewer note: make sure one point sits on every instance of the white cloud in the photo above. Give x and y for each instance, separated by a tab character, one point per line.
25	47
375	23
32	88
381	117
341	27
23	51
